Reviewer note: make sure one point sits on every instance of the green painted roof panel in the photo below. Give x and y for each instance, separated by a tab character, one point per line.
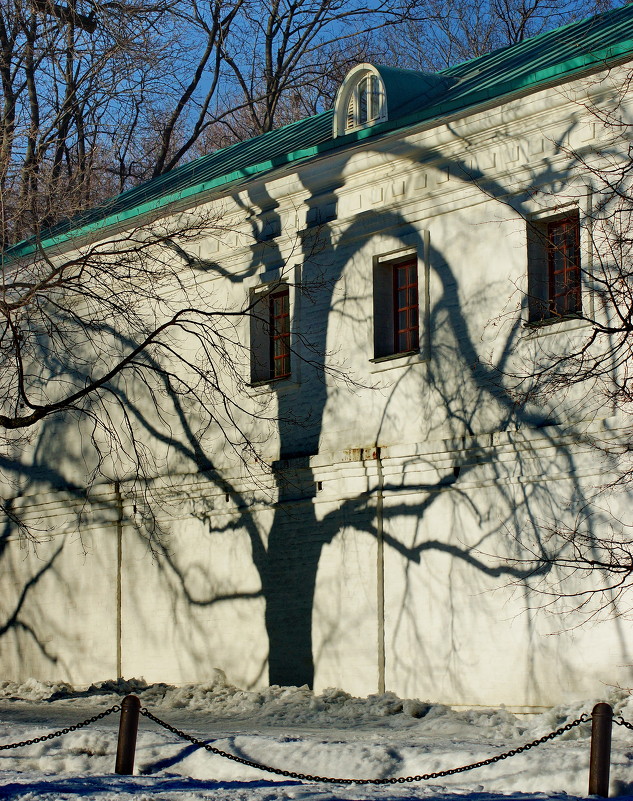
532	64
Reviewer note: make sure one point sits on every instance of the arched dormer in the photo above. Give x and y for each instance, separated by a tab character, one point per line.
360	101
372	94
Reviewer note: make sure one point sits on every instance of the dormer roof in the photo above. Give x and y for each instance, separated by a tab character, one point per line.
392	93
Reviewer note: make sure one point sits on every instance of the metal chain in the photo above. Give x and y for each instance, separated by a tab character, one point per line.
395	780
52	735
619	721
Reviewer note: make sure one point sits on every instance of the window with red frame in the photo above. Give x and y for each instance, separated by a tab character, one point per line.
405	307
279	333
554	271
563	266
270	333
396	307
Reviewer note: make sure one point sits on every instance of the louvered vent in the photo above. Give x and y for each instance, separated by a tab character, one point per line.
349	120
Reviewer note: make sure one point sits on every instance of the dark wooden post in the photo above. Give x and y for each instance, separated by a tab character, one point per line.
128	726
600	759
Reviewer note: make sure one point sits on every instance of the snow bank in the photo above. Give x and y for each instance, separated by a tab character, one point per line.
299	706
332	733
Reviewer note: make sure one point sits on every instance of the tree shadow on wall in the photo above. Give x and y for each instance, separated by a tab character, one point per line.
458	392
457	380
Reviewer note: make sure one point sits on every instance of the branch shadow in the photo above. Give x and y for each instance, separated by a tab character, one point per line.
464	394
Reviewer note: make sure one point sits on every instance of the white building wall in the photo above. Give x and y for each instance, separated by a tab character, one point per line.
58	604
411	498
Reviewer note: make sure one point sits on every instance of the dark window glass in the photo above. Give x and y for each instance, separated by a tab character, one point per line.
280	334
563	266
362	101
554	271
405	312
375	97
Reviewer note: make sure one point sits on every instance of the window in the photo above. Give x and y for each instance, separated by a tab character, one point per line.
554	272
270	335
279	333
365	103
361	99
396	307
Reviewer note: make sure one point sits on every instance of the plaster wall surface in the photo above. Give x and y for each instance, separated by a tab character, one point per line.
391	540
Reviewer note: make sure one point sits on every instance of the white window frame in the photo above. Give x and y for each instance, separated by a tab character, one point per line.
349	115
375	95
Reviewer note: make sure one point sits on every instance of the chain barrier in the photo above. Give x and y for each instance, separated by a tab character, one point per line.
619	721
584	718
52	735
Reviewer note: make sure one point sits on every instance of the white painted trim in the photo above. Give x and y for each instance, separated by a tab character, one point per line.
348	91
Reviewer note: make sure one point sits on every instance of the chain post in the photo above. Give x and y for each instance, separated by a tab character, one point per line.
128	727
600	759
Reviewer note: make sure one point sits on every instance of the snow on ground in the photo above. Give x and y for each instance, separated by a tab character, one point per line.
331	734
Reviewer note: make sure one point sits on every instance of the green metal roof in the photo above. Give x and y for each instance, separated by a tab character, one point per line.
551	57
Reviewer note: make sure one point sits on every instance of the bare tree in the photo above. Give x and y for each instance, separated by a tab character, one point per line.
99	96
440	33
74	79
283	54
